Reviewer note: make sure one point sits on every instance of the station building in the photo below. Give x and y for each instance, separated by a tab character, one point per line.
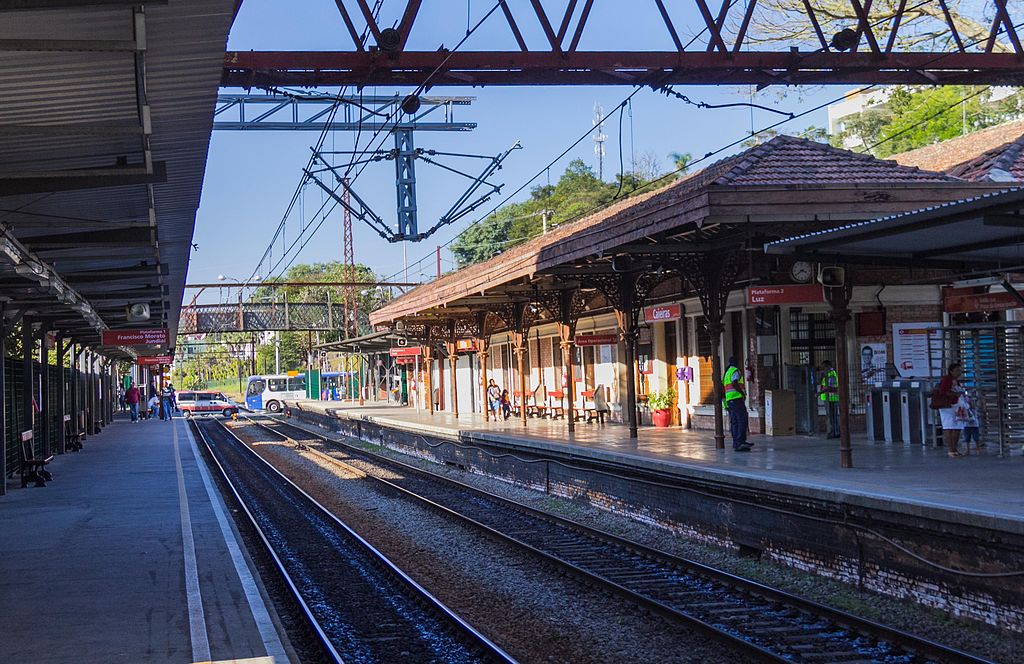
652	267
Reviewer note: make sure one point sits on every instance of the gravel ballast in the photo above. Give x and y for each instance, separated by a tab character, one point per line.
524	606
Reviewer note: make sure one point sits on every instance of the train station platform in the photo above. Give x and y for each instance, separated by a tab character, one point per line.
977	490
129	555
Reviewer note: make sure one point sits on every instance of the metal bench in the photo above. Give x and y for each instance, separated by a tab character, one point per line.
33	469
73	435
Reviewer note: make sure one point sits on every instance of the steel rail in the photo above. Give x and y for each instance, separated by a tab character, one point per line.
911	642
471	637
314	624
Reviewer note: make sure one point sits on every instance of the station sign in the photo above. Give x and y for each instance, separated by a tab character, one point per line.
609	339
662	312
465	345
964	300
790	294
143	337
405	360
408	351
151	360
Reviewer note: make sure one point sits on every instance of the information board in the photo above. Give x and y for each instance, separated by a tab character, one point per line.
914	355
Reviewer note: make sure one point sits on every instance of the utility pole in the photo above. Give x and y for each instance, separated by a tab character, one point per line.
438	261
349	263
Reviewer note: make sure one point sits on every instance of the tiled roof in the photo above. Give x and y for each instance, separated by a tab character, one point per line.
1003	164
782	161
956	152
787	160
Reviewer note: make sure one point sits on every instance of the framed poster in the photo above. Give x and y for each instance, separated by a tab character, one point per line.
872	363
917	349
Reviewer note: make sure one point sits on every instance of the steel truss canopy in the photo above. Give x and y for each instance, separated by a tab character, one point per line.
261	317
764	43
312	112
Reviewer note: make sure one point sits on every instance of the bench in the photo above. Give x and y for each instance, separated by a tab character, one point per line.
33	469
557	406
72	435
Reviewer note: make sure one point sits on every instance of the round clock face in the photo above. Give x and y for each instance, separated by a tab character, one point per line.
802	271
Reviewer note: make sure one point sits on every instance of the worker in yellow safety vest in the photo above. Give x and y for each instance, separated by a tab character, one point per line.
828	392
735	404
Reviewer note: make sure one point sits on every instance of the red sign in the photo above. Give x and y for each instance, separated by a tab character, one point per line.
409	351
662	312
405	360
964	300
465	345
596	339
150	360
148	337
790	294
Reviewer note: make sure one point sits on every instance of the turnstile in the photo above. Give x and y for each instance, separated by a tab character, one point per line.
897	412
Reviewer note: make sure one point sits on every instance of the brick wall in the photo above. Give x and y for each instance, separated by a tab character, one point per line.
844	542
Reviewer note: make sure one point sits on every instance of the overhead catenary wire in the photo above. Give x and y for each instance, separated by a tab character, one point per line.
358	155
662	178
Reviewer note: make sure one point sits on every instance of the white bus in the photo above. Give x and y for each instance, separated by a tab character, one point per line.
269	392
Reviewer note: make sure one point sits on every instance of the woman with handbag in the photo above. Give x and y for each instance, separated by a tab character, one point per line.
945	399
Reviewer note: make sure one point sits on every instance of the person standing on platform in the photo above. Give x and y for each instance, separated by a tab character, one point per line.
493	397
167	402
828	392
946	399
735	405
132	396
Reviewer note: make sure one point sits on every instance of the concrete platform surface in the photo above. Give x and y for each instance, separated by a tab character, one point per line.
981	490
128	556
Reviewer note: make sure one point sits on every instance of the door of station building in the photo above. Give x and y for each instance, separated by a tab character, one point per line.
812	340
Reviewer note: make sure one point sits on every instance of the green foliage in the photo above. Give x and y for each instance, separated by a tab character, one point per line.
915	117
661	400
227	356
577	192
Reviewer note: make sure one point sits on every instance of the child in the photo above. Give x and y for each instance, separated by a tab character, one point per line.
506	405
966	412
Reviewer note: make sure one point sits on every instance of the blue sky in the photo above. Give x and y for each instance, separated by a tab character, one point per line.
250	177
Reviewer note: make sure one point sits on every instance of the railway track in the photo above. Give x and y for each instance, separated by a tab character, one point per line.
765	622
361	607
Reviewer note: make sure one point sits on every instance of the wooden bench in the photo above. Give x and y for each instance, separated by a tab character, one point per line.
72	435
33	469
557	406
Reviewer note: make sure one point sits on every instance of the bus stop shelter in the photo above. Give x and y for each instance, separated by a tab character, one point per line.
975	245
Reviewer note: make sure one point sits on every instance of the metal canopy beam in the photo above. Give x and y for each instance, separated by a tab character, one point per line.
296	112
317	68
32	183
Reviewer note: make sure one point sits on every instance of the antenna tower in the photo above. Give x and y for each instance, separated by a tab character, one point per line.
599	138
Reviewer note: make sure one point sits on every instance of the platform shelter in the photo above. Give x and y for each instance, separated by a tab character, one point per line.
105	125
659	289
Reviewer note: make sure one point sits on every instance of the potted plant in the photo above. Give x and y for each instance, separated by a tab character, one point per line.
660	404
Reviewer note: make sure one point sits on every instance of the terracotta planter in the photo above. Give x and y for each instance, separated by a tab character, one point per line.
661	418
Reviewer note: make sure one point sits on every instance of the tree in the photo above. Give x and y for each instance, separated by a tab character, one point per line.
923	24
915	117
681	160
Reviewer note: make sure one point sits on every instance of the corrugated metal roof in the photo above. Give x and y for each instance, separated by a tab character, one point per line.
82	88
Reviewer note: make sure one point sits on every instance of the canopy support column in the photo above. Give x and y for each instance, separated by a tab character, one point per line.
712	275
839	301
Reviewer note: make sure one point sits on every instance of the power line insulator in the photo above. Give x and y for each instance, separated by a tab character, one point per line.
390	40
411	104
844	40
